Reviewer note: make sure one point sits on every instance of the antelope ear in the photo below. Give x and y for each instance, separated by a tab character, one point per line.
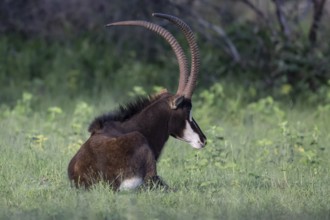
176	101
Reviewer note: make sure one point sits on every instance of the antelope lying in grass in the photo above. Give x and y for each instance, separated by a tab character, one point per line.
125	145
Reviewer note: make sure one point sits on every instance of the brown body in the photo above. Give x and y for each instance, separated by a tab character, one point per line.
112	159
125	145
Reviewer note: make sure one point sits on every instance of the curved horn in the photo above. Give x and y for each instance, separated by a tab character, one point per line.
195	59
181	57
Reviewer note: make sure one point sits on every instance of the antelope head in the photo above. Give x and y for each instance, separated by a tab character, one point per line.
181	124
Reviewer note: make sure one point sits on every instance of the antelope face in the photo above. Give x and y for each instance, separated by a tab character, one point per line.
184	127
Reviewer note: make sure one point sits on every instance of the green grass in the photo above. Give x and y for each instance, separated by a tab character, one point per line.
263	161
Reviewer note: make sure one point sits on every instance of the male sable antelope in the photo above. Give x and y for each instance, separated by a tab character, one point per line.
125	145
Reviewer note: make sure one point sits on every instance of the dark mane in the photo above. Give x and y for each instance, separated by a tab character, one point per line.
122	113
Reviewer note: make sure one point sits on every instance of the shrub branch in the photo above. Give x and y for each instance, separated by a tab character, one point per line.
281	18
318	11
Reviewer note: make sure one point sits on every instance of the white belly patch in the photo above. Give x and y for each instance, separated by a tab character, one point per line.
131	183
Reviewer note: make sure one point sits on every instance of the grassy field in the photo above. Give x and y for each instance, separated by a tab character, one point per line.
263	161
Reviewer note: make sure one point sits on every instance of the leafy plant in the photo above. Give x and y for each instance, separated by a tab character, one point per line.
215	102
265	109
81	117
22	108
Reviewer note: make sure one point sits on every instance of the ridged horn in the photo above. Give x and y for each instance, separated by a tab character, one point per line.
181	57
195	59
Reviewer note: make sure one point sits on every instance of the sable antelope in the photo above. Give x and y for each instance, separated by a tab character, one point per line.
125	144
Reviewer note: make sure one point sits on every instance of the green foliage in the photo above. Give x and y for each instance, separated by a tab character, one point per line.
81	116
139	91
80	66
268	143
271	61
53	113
216	100
275	167
23	106
264	159
264	109
47	67
91	65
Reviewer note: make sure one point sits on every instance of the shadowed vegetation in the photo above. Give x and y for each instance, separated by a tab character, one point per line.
263	100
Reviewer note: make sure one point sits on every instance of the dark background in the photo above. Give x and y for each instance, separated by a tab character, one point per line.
54	47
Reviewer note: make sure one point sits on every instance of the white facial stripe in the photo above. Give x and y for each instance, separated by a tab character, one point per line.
190	115
191	136
132	183
193	121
